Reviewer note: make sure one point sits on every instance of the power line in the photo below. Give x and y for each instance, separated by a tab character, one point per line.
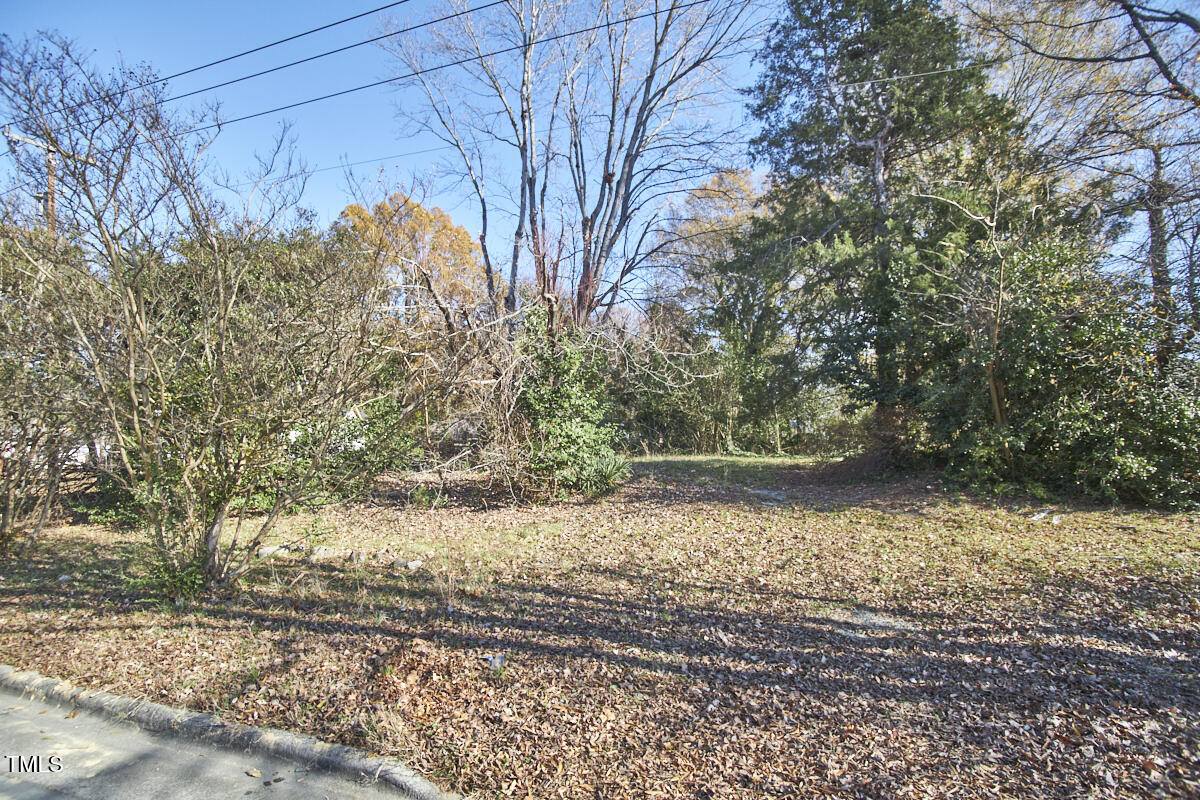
924	74
26	185
416	73
336	50
252	50
426	70
409	154
501	51
609	24
304	173
260	48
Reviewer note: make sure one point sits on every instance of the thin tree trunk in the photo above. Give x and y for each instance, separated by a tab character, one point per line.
1160	278
212	543
51	495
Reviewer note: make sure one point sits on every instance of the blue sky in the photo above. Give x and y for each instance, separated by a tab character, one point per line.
173	36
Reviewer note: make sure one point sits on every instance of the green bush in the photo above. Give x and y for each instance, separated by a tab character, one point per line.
424	497
109	503
359	449
597	473
562	398
1087	409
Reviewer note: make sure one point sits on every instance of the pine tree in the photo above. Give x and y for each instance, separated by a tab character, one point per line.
854	96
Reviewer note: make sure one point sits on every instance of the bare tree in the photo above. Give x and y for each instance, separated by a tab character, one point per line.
38	423
574	124
1105	32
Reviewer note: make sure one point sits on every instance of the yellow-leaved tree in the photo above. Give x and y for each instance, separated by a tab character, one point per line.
440	301
428	250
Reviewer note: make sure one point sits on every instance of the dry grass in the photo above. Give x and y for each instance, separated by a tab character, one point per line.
718	628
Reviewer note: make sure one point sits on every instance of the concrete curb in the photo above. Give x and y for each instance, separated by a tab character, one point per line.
348	761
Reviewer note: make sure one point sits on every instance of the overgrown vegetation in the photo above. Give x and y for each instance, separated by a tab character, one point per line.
910	388
969	251
216	368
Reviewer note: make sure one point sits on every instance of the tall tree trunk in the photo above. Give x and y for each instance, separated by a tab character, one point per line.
887	375
1157	196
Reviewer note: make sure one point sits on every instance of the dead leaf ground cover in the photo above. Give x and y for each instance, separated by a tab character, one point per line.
718	628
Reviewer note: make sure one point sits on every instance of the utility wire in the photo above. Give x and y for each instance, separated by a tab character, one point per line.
373	84
260	48
409	29
924	74
436	67
417	73
343	49
555	37
380	158
13	189
252	50
301	174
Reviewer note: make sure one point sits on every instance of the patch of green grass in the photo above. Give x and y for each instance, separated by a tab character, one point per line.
533	531
823	607
425	497
724	471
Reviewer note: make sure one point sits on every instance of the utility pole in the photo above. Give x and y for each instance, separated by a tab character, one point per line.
49	207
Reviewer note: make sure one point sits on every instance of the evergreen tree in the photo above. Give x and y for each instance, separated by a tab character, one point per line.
855	95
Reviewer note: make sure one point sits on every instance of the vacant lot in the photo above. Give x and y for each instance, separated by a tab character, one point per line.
718	628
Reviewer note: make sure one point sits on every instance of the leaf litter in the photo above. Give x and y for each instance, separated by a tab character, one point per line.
787	633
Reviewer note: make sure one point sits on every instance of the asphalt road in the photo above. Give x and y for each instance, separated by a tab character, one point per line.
98	759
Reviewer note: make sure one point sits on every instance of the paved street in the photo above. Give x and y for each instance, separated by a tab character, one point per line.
104	760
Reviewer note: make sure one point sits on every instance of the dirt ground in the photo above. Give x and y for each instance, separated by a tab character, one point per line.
718	628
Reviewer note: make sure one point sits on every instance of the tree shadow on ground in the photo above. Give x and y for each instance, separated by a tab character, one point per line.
1018	680
734	634
719	650
821	485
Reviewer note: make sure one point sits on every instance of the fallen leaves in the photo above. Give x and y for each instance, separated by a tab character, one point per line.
690	638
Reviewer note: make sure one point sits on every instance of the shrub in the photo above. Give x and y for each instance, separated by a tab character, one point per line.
346	461
562	398
1086	407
